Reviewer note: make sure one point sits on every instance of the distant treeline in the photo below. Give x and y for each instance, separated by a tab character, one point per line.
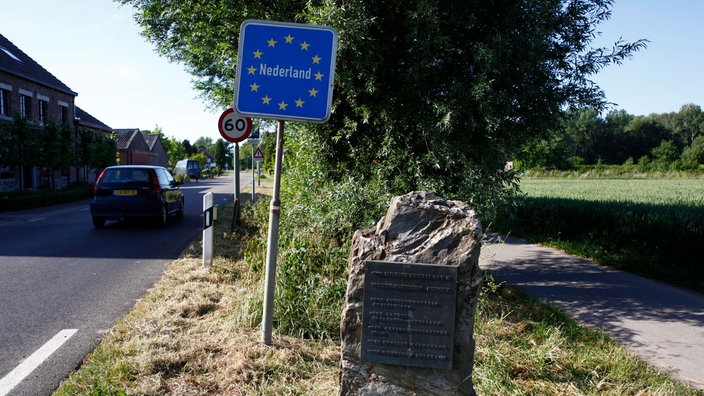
657	142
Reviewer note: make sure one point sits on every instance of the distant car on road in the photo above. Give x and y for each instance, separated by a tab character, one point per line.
135	191
190	168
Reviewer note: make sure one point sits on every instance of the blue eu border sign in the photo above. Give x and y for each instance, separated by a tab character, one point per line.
285	71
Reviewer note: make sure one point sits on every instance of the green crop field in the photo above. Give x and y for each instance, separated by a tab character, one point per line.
644	191
652	227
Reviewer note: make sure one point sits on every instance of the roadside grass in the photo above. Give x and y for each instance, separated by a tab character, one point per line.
197	333
527	347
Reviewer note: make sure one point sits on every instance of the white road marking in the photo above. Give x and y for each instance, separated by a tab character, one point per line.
14	377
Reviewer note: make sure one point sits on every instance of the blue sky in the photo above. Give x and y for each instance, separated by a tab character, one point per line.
666	75
94	47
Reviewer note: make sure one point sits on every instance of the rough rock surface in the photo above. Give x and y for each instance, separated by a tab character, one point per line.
419	227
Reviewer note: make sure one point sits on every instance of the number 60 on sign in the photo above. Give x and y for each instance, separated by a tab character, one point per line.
234	127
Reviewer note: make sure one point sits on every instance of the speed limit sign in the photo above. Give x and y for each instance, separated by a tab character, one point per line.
234	127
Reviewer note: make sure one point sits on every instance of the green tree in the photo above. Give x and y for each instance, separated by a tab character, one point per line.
665	154
615	150
245	156
105	155
205	142
21	146
174	149
584	127
56	149
643	134
85	149
201	158
688	123
220	153
431	95
693	155
47	150
96	150
268	147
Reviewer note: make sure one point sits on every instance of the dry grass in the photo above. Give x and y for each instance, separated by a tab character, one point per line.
183	338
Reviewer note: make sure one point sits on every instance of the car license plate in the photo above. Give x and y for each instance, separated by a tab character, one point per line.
125	192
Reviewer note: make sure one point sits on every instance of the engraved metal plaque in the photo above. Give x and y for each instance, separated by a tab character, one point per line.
408	316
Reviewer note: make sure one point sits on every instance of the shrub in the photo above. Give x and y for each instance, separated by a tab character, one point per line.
317	223
36	199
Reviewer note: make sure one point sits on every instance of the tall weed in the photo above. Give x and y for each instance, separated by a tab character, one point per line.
318	218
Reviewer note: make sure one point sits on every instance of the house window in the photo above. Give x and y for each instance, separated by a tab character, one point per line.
4	102
26	106
43	110
63	116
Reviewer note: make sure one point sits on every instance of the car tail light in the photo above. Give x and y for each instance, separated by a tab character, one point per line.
95	186
156	188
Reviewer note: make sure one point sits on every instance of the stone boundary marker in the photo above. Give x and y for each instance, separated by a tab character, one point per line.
407	324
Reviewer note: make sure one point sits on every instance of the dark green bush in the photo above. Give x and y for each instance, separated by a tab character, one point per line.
35	199
658	241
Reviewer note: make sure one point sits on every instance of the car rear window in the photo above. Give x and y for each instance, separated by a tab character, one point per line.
125	177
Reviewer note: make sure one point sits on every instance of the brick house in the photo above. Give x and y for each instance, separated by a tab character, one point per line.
85	120
157	150
28	90
139	148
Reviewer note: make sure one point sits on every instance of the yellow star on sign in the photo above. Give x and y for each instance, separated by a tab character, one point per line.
266	99
254	87
289	39
299	102
251	69
316	59
319	76
272	42
258	54
313	92
304	46
283	105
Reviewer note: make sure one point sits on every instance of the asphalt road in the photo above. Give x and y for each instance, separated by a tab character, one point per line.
64	283
662	324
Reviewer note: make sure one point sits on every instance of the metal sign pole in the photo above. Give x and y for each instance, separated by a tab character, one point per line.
236	167
273	240
253	197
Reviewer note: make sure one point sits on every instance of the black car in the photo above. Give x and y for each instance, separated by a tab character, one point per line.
135	191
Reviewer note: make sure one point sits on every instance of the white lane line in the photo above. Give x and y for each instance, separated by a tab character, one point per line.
14	377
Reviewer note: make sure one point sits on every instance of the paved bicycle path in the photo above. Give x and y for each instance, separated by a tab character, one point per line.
662	324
